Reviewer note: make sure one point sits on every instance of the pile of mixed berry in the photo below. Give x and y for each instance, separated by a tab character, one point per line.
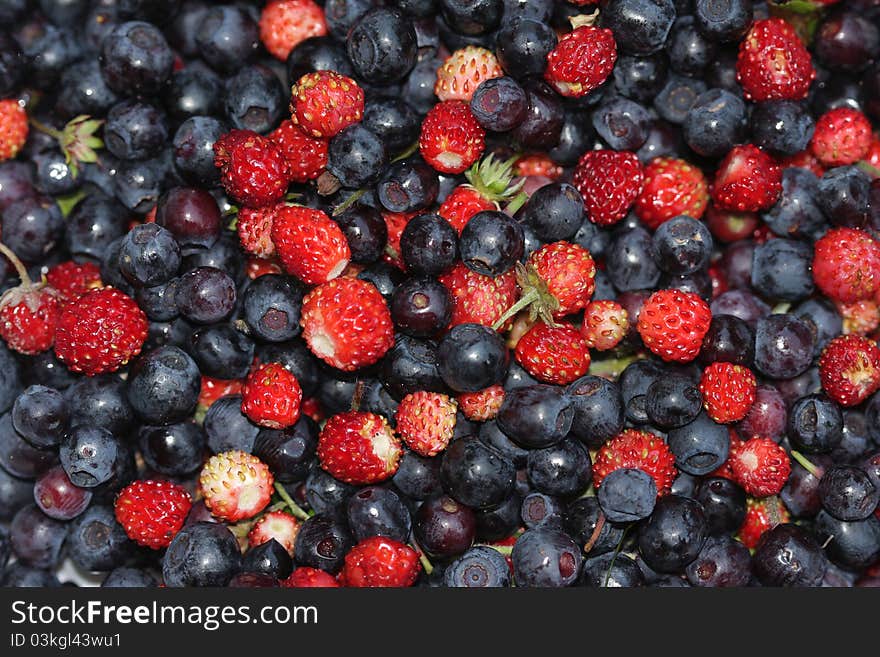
464	293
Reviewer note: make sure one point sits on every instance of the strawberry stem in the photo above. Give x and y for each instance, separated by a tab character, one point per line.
294	508
506	550
19	267
868	168
524	302
516	203
597	532
347	203
806	464
42	127
616	552
410	150
423	559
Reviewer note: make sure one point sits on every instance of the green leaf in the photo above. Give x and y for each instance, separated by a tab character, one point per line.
68	202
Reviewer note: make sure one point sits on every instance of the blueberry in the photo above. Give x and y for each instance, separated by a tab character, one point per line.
522	46
50	53
317	54
228	428
194	148
269	558
475	474
137	184
848	493
545	117
723	21
271	308
21	576
125	577
630	264
499	104
782	269
428	245
472	17
325	494
479	567
783	346
394	121
688	49
227	37
412	365
255	99
674	534
491	243
407	186
536	416
37	539
206	295
174	450
672	401
682	245
149	255
136	59
723	562
598	410
421	306
611	571
365	231
585	522
545	558
164	385
797	212
356	157
418	477
677	96
563	469
847	41
382	46
32	227
540	510
192	216
472	357
782	127
715	122
640	78
555	212
14	494
724	504
135	130
815	424
222	352
843	196
377	511
12	63
193	91
634	383
627	495
89	455
854	545
501	521
203	554
788	555
622	123
288	452
97	541
40	415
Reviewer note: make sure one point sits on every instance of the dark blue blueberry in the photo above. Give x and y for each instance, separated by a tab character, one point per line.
585	522
640	78
32	227
288	452
138	183
89	455
14	494
194	148
723	562
159	302
206	295
255	99
325	494
193	91
545	117
428	245
100	401
407	186
784	346
421	306
545	558
12	63
49	54
723	21
135	130
96	541
54	176
700	446
149	255
419	86
472	357
598	410
627	495
384	276
83	91
848	493
500	521
522	47
475	474
40	415
192	216
322	542
540	510
782	127
175	450
724	504
797	212
715	122
682	245
853	545
136	59
479	567
622	123
536	416
377	511
382	46
672	401
688	49
37	539
16	182
678	95
634	383
21	576
674	534
418	477
228	428
824	316
782	269
492	435
225	254
393	121
640	26
576	137
789	555
443	527
125	577
611	570
555	212
222	352
815	424
227	38
269	558
741	304
356	157
629	261
472	17
412	365
563	469
317	54
843	194
365	231
499	104
271	308
203	554
491	243
164	385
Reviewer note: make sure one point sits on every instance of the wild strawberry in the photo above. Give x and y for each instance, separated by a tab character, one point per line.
761	516
254	228
537	165
304	577
426	421
311	407
101	332
672	187
325	103
395	223
257	267
747	180
859	317
489	182
271	396
849	369
803	160
846	264
235	485
380	561
13	128
29	312
581	61
610	182
309	244
213	389
483	405
730	226
636	449
152	512
306	156
565	271
451	140
842	136
253	169
284	24
71	280
478	299
728	391
358	448
773	63
464	71
672	324
275	525
553	354
760	466
347	324
605	324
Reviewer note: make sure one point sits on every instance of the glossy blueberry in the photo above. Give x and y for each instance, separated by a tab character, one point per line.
222	352
125	577
492	435
611	571
724	504
723	21
203	554
228	428
96	541
677	96
640	78
393	121
627	495
848	493
356	157
545	117
501	521
271	308
622	123
444	527
377	511
630	264
782	269
365	231
555	212
843	194
382	46
32	227
536	416
227	37
317	54
640	26
682	245
563	469
193	145
418	477
421	306
672	401
89	455
475	474
815	424
782	127
723	562
847	41
522	47
634	383
164	385
472	357
715	122
149	255
598	410
174	450
700	446
585	522
499	104
37	539
14	494
783	346
688	49
138	183
491	243
853	545
269	558
325	494
100	401
255	99
159	302
545	558
40	415
575	138
789	555
541	510
193	91
674	534
479	567
407	186
136	59
797	212
206	295
428	245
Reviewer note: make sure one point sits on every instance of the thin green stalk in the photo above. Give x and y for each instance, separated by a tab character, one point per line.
292	506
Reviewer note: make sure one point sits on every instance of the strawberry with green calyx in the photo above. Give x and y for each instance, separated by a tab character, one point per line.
28	312
77	140
490	182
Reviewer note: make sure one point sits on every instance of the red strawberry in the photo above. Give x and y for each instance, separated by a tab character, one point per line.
859	317
257	267
569	273
747	180
380	561
761	516
773	63
846	264
850	369
71	280
605	324
804	160
304	577
28	313
728	391
254	228
636	449
672	324
395	223
490	181
152	512
451	140
760	466
464	71
284	24
253	169
275	525
725	470
463	203
310	244
235	485
478	299
325	103
101	332
358	448
537	165
213	389
581	61
271	396
347	324
426	421
730	226
483	405
553	354
13	128
672	187
842	136
306	156
610	182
